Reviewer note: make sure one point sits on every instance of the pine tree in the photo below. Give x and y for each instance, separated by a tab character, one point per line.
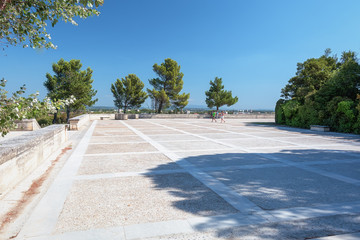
217	96
128	92
167	87
69	81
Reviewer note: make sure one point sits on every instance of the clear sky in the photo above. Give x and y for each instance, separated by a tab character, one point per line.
253	45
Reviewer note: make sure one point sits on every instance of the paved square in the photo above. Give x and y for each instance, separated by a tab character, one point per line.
194	179
133	200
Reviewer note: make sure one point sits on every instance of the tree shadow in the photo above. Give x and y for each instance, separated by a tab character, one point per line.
269	184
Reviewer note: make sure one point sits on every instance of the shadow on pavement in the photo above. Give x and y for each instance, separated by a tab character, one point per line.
269	184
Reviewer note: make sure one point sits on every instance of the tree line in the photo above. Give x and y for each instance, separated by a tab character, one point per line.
324	91
128	92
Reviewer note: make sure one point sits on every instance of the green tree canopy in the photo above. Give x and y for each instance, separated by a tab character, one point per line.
167	87
128	92
217	96
310	76
69	80
25	21
326	94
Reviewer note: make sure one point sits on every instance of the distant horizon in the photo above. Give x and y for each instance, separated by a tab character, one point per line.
194	107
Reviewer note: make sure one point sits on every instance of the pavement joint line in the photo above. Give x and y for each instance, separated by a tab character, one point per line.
236	200
114	143
44	217
120	153
126	174
299	165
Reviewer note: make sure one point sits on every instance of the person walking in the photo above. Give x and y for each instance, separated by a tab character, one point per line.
213	114
222	116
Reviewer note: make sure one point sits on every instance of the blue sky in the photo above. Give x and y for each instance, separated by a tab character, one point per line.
252	45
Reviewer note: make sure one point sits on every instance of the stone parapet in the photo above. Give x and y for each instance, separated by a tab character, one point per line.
98	116
19	156
26	125
76	123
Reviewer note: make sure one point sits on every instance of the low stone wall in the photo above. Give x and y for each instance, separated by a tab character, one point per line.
98	116
26	125
235	116
78	122
122	116
19	156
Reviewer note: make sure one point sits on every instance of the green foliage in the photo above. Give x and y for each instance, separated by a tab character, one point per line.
71	84
217	96
44	121
128	92
26	21
310	77
279	112
324	91
17	107
346	115
167	87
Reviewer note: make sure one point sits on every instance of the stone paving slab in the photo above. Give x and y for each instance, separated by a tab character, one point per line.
351	170
125	163
286	187
223	135
119	147
113	202
113	133
157	132
308	155
193	145
274	134
308	141
115	139
224	158
170	137
256	143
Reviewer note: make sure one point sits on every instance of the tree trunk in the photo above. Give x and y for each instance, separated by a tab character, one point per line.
55	116
67	114
160	107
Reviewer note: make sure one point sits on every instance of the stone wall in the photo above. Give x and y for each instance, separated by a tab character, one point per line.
19	156
26	125
76	123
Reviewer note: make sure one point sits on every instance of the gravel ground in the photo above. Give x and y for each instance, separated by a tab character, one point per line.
133	200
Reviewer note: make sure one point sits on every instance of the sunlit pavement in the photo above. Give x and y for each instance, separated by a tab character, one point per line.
194	179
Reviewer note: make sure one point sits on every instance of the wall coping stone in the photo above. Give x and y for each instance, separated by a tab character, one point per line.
15	146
